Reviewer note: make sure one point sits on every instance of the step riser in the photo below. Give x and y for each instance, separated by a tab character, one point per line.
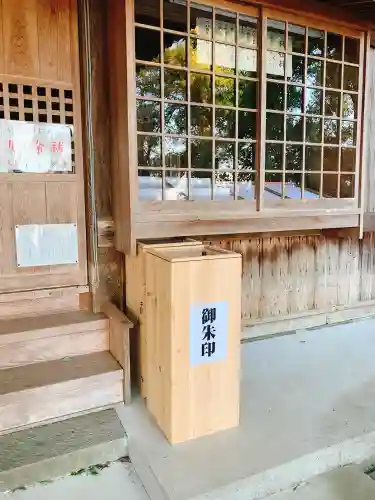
36	405
49	348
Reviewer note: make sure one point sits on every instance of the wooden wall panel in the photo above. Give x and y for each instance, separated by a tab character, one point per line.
61	202
291	275
7	248
21	47
29	203
36	39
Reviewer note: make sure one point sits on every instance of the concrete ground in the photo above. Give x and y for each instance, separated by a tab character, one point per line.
307	407
118	482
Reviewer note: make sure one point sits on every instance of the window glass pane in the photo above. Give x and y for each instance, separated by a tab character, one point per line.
312	186
331	159
201	121
175	119
246	156
275	35
332	104
315	42
176	185
333	75
246	186
314	101
275	96
224	155
275	127
331	131
247	94
275	65
274	156
351	54
351	75
315	72
296	69
225	91
201	54
175	152
313	158
148	116
225	58
175	50
292	188
225	123
296	38
246	125
294	157
149	151
247	61
147	81
350	106
150	185
201	88
201	154
330	185
147	45
347	186
149	15
201	20
348	159
348	134
294	99
274	185
314	129
175	16
294	128
175	85
225	26
248	31
334	46
224	186
201	186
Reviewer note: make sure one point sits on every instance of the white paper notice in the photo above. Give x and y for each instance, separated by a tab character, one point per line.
35	147
46	245
208	332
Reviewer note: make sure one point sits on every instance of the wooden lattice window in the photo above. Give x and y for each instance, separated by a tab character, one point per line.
312	97
39	104
231	107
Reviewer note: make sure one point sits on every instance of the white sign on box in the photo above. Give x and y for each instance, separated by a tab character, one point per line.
208	332
46	245
35	147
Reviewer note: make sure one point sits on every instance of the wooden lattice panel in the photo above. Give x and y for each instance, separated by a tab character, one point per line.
37	104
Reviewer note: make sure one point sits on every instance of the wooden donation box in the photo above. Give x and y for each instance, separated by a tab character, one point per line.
136	291
193	314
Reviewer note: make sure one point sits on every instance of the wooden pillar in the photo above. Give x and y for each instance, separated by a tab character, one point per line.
106	265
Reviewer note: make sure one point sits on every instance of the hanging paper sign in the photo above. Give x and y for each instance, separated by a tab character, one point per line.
35	147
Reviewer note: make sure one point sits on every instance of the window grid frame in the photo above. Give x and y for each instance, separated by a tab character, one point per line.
260	140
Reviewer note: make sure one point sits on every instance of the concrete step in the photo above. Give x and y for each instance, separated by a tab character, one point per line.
346	483
44	453
34	393
43	338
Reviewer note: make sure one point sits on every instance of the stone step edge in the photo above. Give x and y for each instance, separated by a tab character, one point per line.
50	469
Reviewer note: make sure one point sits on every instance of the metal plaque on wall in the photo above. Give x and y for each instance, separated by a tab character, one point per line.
46	245
35	147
